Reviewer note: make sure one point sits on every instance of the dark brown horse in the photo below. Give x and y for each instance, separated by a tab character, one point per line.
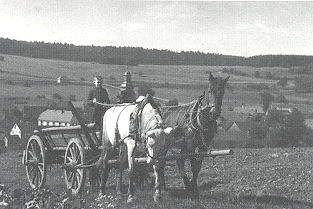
195	126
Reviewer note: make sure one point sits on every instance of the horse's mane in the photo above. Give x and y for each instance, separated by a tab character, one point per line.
151	118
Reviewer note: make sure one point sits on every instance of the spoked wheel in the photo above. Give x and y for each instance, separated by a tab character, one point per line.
74	158
35	162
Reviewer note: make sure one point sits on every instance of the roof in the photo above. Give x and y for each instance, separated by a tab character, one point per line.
56	116
244	126
240	126
63	77
78	104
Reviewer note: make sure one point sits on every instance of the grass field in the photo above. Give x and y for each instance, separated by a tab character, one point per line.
24	69
251	178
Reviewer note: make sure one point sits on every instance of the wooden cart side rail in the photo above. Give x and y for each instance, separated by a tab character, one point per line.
64	128
60	136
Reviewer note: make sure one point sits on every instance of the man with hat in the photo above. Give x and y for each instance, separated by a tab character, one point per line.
97	96
126	93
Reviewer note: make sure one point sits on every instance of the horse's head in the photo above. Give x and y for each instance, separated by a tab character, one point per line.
153	131
157	142
214	96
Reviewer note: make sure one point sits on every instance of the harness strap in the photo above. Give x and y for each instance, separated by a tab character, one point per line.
117	132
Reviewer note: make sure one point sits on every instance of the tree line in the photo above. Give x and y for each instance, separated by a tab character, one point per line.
139	55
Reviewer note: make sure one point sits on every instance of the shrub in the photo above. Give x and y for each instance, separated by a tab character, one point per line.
286	129
10	82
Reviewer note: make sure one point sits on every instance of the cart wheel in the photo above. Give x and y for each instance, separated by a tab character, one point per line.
74	156
95	178
35	162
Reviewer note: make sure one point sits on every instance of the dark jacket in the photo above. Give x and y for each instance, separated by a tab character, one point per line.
101	96
126	93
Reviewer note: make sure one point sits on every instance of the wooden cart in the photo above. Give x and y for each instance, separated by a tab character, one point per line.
72	147
76	149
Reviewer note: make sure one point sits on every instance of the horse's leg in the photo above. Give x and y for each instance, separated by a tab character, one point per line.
122	164
181	168
105	170
161	174
159	180
195	168
131	145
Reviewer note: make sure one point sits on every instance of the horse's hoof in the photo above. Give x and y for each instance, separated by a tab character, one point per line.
131	199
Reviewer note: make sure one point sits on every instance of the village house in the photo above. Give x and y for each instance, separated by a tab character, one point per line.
16	135
50	118
63	80
233	134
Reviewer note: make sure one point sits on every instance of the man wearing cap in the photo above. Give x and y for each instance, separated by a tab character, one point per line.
126	93
97	96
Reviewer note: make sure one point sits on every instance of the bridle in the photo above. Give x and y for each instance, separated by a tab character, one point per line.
194	122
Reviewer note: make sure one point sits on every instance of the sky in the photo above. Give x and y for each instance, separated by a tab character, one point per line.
239	28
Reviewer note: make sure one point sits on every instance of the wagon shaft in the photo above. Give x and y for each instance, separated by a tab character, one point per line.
201	154
71	166
179	156
85	129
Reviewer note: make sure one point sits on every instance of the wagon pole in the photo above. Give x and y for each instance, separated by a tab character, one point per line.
165	158
83	126
200	154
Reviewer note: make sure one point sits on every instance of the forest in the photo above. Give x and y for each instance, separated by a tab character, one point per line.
139	56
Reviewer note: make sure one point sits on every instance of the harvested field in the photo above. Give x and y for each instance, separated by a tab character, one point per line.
251	178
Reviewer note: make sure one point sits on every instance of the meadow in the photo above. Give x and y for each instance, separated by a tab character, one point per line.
187	82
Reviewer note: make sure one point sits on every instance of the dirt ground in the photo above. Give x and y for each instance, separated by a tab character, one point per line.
251	178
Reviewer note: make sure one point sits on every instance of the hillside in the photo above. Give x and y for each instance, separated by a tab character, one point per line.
134	56
22	76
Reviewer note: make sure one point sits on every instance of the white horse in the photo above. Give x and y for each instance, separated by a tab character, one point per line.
151	132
